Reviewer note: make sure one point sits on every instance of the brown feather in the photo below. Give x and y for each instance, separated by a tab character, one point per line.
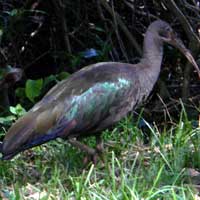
48	118
20	131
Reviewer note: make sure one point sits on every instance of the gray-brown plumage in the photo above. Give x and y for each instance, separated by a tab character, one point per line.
93	98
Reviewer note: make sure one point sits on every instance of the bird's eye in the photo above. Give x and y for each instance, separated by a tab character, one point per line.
168	29
164	33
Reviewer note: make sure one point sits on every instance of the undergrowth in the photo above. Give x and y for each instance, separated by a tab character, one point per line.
160	169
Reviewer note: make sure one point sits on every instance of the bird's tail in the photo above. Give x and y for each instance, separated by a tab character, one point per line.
21	132
34	128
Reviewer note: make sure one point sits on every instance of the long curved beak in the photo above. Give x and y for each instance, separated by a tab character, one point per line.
190	58
179	44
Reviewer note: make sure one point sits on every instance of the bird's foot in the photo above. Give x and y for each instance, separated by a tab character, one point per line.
94	159
98	154
90	159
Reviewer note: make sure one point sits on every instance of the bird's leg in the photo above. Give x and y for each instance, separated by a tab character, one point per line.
98	152
93	154
90	151
99	144
82	146
99	149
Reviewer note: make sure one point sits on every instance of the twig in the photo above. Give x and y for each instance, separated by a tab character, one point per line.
123	27
39	57
165	106
103	18
183	20
193	8
118	35
140	12
194	43
60	12
3	54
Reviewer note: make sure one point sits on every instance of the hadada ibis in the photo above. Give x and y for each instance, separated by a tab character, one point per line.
94	98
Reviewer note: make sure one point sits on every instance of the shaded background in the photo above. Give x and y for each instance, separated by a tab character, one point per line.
44	39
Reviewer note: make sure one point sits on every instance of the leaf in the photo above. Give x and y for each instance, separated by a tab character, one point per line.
13	110
17	110
63	75
48	80
20	110
99	29
20	92
7	120
14	12
75	61
33	88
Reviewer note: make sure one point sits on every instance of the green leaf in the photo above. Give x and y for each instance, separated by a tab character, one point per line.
20	110
63	75
17	110
99	29
14	12
75	60
13	110
20	92
8	119
48	80
33	88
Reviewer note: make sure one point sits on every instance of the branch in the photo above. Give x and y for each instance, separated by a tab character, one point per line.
60	13
171	5
194	43
122	26
130	5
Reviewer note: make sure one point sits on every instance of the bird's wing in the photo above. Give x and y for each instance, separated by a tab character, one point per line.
82	80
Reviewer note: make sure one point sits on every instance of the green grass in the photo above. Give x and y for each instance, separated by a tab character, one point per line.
132	170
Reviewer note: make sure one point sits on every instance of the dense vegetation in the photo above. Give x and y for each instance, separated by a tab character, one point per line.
43	42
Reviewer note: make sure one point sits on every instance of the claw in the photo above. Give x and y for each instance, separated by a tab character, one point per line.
88	159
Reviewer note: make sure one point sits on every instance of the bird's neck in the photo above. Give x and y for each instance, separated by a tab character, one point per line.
152	56
150	63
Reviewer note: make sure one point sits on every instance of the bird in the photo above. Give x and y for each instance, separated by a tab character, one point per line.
93	98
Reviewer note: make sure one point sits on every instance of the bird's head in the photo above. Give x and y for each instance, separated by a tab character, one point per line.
166	34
